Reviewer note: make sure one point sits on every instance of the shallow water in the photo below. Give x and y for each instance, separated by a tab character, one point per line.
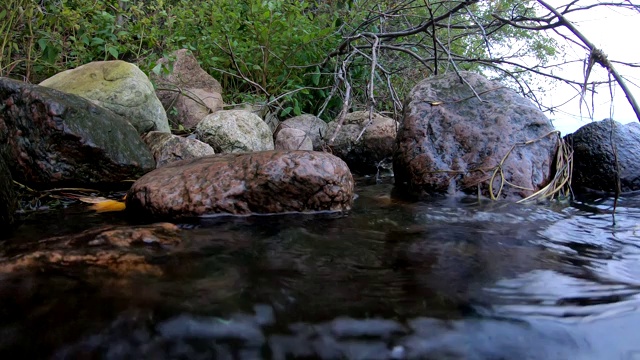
440	279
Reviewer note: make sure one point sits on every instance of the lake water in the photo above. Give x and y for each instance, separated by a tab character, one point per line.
393	279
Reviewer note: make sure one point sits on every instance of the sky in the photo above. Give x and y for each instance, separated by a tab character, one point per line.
617	33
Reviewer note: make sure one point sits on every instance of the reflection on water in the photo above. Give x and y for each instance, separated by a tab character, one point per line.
440	279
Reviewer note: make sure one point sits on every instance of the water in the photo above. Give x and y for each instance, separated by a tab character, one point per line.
440	279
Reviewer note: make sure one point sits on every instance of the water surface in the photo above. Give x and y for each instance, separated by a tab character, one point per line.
439	279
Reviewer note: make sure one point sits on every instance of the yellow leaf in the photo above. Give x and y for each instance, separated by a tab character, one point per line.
108	205
92	199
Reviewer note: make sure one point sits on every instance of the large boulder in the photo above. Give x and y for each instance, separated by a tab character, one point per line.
449	139
251	183
312	125
118	86
186	91
594	157
8	200
57	139
367	152
232	131
168	148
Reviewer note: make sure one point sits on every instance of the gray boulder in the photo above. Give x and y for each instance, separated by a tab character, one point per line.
312	125
263	182
118	86
232	131
594	161
293	139
451	140
57	139
367	154
168	148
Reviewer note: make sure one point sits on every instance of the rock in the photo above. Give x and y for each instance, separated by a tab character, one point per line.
449	139
232	131
8	199
594	162
120	250
252	183
272	120
376	144
118	86
56	139
313	126
193	92
167	148
293	139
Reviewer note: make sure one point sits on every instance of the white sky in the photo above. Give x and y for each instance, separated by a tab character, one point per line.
617	33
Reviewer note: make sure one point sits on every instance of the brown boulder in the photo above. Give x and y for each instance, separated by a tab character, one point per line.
248	183
57	139
451	140
187	92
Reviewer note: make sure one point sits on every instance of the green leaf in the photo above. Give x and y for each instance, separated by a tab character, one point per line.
3	13
42	43
113	51
286	111
97	41
315	77
157	69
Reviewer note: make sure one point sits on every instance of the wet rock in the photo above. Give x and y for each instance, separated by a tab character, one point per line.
192	337
187	88
118	86
167	148
313	126
376	144
379	328
594	160
119	250
486	339
58	139
293	139
449	139
233	131
186	326
8	199
250	183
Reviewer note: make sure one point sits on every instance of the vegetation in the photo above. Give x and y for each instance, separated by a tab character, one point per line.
299	56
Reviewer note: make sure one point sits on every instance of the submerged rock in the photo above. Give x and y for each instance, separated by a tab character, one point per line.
594	159
450	139
58	139
119	250
118	86
251	183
